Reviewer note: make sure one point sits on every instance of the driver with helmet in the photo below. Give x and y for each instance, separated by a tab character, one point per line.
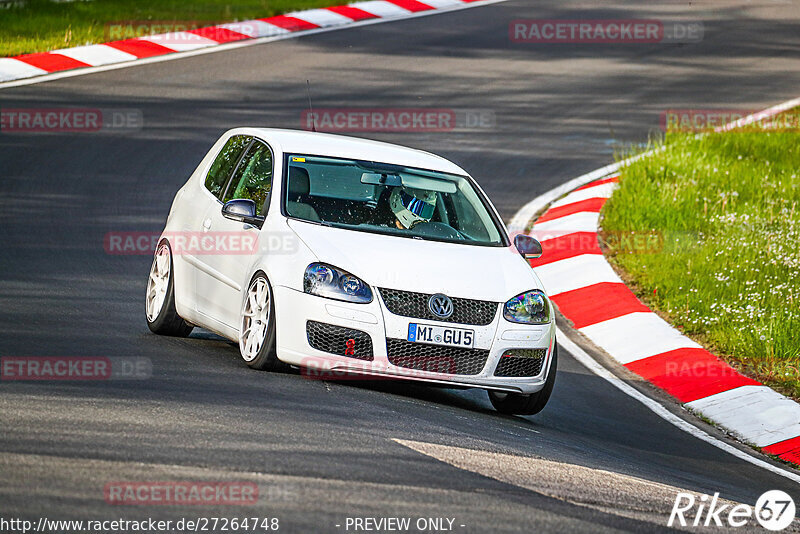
411	206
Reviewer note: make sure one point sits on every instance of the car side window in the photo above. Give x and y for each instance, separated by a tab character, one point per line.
224	164
253	177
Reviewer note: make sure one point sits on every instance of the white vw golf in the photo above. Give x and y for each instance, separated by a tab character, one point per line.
342	255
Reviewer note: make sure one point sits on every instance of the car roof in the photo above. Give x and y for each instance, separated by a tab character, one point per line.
324	144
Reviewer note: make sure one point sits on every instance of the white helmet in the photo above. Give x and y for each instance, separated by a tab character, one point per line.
411	206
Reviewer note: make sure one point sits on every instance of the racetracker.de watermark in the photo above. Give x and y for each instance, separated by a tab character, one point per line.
200	243
396	119
189	34
632	242
181	493
414	366
614	242
714	368
69	120
607	31
135	29
47	368
709	120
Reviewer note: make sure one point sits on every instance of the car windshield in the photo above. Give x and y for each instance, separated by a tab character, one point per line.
388	199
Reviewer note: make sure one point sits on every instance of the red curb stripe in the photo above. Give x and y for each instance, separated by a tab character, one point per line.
140	48
788	450
590	204
567	246
51	62
598	302
599	182
411	5
293	24
220	35
352	12
689	374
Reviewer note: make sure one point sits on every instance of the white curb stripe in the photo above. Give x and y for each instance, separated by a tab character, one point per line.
584	221
382	9
438	4
575	273
598	191
180	41
543	237
96	55
754	413
12	69
321	17
254	28
636	336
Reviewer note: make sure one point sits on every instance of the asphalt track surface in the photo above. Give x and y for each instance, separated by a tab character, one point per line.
323	451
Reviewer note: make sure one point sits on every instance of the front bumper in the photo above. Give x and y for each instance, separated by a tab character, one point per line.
293	310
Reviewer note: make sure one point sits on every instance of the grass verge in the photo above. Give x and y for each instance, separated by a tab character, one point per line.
28	26
727	269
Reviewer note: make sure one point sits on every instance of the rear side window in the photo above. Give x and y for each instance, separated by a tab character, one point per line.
223	165
253	177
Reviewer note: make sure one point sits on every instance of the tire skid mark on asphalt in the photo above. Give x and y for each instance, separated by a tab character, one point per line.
78	468
604	491
67	487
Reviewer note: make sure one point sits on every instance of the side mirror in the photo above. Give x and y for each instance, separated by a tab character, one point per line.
242	209
528	247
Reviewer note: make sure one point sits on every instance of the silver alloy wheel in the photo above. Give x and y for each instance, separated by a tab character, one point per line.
158	283
255	319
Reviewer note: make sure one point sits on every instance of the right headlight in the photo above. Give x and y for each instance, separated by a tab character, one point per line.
328	281
530	307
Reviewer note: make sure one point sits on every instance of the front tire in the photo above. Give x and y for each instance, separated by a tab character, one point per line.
257	330
160	311
519	404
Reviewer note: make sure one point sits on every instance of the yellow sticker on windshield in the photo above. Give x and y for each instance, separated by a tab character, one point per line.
301	160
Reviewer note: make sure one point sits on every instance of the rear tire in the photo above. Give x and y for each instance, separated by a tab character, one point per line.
257	330
519	404
160	311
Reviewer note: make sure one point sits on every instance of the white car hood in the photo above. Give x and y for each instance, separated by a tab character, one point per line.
466	271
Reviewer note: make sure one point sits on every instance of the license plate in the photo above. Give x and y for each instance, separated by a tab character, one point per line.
441	335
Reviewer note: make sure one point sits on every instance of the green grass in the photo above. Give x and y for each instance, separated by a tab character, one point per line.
728	275
41	25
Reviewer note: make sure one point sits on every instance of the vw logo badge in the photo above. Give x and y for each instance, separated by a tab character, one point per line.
440	305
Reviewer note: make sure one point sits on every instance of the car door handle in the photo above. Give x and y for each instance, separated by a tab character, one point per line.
207	225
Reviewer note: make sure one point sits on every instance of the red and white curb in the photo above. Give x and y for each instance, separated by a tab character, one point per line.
589	293
187	42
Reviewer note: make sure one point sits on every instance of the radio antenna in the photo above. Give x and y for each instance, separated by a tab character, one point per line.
311	108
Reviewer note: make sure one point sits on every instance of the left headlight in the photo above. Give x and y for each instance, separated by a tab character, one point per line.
530	307
328	281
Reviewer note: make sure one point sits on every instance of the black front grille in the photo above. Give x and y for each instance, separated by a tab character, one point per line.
335	339
436	358
521	362
465	311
